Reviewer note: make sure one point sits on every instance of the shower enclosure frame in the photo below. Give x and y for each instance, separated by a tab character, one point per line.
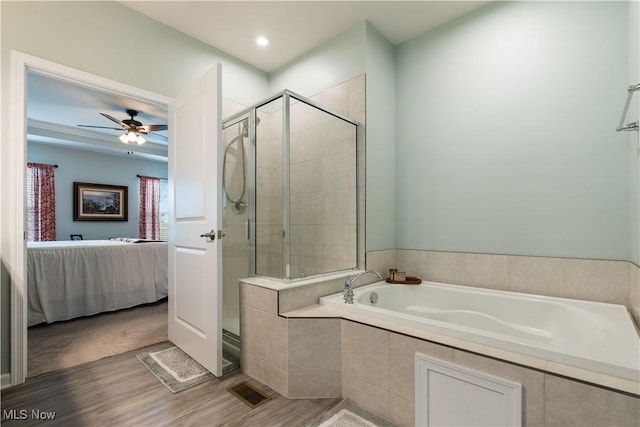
250	113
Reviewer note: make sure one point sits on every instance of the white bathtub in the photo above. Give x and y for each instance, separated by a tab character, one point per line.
595	336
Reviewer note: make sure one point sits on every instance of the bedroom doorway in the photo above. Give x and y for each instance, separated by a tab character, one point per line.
82	153
22	65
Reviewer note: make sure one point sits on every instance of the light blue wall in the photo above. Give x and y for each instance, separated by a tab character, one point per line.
85	166
334	62
381	203
506	137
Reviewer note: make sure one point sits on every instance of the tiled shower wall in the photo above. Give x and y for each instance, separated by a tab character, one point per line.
269	196
322	184
323	187
616	282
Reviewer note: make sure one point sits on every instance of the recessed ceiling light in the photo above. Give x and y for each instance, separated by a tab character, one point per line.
262	41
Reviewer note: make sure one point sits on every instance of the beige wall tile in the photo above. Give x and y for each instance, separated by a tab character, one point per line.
594	280
254	367
597	280
413	263
337	172
278	380
402	413
306	176
230	107
314	385
259	298
264	336
381	261
293	298
446	267
532	382
303	116
369	397
314	345
337	98
402	352
277	341
365	353
537	275
357	95
253	335
306	145
487	271
570	403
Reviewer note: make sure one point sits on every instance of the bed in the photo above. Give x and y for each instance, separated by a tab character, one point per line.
68	279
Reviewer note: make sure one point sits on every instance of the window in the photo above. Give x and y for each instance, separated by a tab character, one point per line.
154	210
41	202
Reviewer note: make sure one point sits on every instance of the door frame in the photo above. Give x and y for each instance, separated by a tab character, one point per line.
21	63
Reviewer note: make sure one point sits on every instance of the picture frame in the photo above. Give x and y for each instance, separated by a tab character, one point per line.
100	202
76	237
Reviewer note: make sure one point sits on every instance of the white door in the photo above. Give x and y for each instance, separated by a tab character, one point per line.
195	296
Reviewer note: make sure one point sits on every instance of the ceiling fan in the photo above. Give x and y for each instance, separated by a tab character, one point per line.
133	129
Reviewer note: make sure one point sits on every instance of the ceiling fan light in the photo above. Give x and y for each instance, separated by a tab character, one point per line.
132	136
124	138
140	140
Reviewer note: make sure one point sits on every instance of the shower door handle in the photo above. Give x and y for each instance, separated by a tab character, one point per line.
210	235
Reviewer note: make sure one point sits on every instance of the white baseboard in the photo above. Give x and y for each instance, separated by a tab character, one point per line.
5	381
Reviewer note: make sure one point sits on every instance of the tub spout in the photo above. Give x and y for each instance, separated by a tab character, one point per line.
348	285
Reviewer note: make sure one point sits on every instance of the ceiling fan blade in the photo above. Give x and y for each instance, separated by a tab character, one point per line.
152	128
99	127
121	123
159	136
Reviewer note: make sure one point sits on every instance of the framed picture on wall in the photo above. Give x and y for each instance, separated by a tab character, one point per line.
99	202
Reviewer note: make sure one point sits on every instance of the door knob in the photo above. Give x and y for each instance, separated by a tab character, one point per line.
210	235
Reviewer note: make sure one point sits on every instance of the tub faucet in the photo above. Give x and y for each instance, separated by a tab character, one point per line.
348	285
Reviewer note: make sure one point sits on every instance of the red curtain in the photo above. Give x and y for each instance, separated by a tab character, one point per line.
149	207
41	202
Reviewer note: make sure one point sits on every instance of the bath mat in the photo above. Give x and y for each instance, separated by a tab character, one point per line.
175	369
348	414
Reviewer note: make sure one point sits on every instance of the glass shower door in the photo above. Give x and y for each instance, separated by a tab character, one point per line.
235	244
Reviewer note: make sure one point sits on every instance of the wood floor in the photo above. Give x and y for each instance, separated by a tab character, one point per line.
121	391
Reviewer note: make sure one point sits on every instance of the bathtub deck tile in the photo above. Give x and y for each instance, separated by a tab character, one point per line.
594	377
506	355
428	335
315	310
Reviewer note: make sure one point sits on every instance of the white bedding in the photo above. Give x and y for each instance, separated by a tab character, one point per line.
68	279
